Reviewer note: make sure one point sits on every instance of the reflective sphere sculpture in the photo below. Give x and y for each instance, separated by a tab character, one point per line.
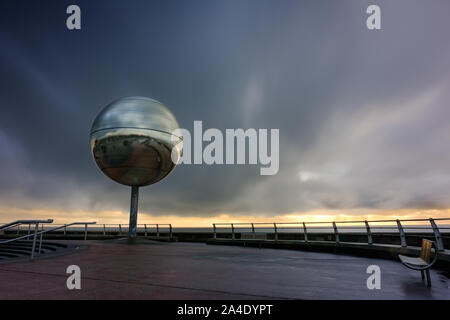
131	141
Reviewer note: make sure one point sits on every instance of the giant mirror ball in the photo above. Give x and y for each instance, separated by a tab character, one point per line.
131	141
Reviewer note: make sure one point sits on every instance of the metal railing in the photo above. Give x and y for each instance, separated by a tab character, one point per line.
157	226
41	233
368	226
147	229
20	222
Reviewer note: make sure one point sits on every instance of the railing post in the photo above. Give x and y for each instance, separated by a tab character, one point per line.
104	229
232	231
36	229
157	230
85	231
145	229
214	231
336	232
29	230
437	236
369	233
276	231
402	234
40	243
170	231
253	231
120	229
305	232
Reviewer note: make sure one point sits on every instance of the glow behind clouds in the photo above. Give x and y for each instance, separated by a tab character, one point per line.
363	115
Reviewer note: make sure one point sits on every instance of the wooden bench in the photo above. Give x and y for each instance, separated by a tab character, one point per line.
421	263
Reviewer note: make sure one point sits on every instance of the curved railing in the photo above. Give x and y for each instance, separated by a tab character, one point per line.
41	233
336	227
105	229
368	231
145	228
20	222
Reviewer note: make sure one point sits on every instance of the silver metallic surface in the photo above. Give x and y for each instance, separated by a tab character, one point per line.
131	141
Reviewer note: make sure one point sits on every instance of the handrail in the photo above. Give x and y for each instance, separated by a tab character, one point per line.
330	222
333	226
104	228
165	225
19	222
48	230
68	225
37	232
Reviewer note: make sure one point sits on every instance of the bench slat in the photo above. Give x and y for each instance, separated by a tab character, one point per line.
412	261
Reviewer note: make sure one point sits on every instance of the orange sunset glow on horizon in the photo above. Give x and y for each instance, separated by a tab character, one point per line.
121	217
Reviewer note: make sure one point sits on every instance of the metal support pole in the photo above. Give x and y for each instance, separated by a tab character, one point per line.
40	243
305	232
120	229
402	234
437	236
157	230
104	229
18	229
232	231
145	229
29	231
65	230
276	231
36	229
253	231
85	231
170	231
336	232
369	233
133	211
214	231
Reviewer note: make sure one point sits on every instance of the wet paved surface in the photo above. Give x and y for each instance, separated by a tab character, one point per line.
199	271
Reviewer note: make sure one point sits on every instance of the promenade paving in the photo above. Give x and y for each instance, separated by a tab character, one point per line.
155	270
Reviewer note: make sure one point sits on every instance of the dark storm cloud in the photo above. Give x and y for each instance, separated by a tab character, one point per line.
363	115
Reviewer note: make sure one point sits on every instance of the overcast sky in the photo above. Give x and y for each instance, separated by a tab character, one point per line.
363	115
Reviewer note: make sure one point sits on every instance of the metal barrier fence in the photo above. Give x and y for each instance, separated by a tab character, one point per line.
307	230
147	229
345	226
36	232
